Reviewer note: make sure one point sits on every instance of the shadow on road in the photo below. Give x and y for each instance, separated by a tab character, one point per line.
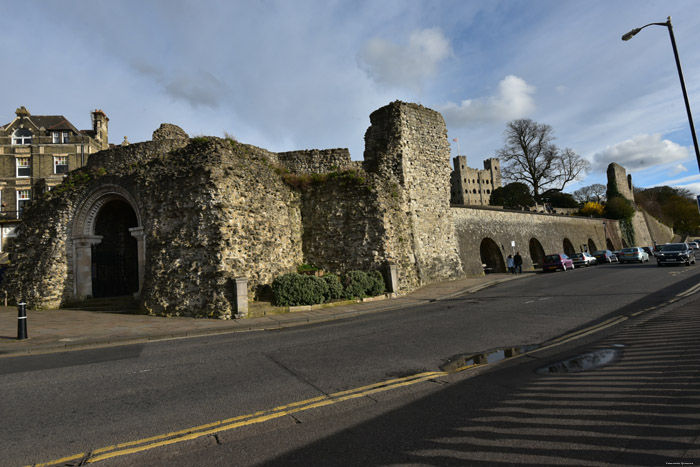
644	409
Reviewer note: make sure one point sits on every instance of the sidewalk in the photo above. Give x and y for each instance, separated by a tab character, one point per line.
61	330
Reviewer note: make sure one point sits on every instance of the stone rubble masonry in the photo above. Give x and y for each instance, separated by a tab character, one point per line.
213	211
647	230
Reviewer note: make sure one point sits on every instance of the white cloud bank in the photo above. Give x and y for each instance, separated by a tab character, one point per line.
514	100
641	152
406	65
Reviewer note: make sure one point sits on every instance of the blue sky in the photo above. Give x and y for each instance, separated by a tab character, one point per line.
288	75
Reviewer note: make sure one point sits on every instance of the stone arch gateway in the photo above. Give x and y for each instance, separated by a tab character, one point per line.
491	256
108	244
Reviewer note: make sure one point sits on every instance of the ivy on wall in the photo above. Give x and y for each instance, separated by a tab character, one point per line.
620	208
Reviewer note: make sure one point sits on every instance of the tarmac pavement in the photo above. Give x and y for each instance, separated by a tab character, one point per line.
61	330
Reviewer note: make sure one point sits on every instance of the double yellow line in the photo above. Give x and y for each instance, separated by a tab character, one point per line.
262	416
187	434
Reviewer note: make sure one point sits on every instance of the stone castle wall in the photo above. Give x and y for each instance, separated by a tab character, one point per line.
660	233
315	161
408	143
212	210
475	227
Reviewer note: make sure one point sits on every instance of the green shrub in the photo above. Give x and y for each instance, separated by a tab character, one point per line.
359	284
376	284
335	288
296	289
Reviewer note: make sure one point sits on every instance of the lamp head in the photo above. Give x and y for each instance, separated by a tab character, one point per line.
631	34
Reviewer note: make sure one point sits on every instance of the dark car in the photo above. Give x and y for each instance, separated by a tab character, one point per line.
605	256
557	261
648	250
675	253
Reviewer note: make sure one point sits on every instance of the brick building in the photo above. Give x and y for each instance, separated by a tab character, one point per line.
36	151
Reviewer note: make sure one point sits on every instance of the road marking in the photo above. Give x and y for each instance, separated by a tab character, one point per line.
144	444
132	447
690	291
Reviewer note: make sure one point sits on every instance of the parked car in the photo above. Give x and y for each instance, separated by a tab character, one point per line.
634	253
557	261
649	250
693	245
605	256
675	253
657	248
583	259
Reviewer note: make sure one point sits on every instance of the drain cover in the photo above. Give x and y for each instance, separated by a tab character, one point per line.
583	362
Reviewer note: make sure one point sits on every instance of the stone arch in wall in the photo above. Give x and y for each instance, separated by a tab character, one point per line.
591	246
568	247
491	255
536	252
108	245
609	244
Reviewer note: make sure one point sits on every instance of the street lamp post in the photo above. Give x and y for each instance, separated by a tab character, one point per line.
668	24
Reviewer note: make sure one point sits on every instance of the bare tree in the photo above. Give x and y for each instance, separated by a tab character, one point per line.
530	156
595	192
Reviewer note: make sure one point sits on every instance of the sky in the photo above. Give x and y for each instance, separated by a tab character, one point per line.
286	75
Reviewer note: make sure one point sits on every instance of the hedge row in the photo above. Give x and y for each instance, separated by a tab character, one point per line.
298	289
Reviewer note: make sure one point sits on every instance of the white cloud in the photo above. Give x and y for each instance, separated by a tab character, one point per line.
678	168
514	100
406	65
640	152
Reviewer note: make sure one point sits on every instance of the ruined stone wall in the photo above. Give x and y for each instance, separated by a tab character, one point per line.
316	161
473	225
617	176
660	233
407	144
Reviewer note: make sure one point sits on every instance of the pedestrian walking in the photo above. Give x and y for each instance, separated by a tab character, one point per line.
518	263
511	264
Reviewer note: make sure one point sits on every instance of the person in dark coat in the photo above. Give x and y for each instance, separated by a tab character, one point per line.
518	260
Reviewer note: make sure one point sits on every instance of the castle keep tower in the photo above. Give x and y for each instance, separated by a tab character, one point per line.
471	186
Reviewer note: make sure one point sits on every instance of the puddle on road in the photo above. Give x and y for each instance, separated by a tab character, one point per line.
492	356
583	362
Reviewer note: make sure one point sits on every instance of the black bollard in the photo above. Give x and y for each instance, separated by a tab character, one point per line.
21	321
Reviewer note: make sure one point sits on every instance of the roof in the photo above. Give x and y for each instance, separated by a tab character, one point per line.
48	122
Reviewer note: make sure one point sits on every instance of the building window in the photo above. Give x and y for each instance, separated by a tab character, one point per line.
22	136
61	137
60	164
23	197
23	167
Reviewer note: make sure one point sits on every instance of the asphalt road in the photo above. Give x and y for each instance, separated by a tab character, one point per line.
78	402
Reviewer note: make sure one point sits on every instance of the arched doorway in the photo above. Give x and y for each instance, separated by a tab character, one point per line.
115	258
536	252
591	246
109	251
609	244
569	247
491	256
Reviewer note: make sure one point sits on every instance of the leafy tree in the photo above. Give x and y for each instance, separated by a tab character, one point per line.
675	207
562	200
530	156
513	195
595	193
619	208
592	208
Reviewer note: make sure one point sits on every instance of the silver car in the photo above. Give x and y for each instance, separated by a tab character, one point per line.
634	253
583	259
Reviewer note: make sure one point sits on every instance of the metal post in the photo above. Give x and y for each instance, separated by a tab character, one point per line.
685	93
21	320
